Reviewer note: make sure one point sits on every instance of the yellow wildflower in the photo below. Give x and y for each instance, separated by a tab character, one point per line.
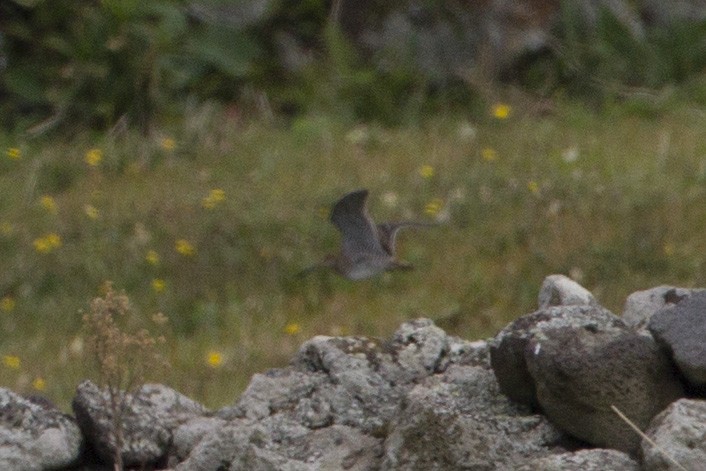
293	328
41	246
488	154
53	239
167	143
11	361
13	153
215	196
533	187
152	257
214	359
91	211
426	171
184	247
48	203
47	243
7	303
158	285
39	384
433	207
501	110
93	157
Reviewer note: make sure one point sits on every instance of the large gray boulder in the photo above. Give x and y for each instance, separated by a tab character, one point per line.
459	420
681	330
354	381
573	360
330	409
680	432
34	435
507	348
560	290
640	306
580	373
146	419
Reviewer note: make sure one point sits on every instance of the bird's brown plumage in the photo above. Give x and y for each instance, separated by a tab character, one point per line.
367	249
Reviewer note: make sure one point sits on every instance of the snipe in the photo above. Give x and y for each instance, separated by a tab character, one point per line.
367	249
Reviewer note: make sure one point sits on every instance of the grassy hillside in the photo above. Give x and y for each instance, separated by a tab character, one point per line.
209	220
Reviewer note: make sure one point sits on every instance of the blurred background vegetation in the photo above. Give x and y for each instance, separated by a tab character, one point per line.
190	152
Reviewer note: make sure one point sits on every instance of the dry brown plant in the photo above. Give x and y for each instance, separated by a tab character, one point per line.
123	357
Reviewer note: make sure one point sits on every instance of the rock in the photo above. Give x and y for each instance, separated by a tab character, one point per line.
353	381
148	420
641	305
190	433
680	431
241	445
34	435
278	390
365	379
596	459
507	349
421	400
581	372
278	442
354	393
418	348
463	352
559	290
458	420
331	408
681	329
337	447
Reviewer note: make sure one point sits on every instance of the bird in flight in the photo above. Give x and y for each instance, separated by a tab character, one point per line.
367	249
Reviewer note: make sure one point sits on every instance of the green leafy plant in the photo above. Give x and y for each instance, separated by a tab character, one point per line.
95	62
609	56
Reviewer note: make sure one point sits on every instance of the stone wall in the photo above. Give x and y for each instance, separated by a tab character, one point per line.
540	395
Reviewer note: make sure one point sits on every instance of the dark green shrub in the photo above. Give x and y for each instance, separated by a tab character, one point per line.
612	58
93	62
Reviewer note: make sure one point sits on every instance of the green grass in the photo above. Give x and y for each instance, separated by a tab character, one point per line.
617	199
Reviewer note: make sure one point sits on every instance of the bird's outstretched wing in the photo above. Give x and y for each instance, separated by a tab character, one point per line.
358	232
387	233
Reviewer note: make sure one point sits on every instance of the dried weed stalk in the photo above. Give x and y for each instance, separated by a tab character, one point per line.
123	357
